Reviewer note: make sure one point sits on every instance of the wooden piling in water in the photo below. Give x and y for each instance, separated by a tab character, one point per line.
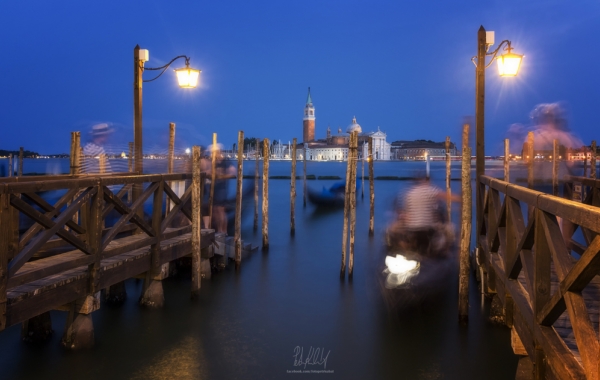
256	189
346	211
130	158
371	190
506	160
213	178
11	170
74	167
304	176
448	175
585	164
593	160
170	161
362	176
530	159
465	231
265	197
555	167
238	200
196	223
293	190
20	167
353	159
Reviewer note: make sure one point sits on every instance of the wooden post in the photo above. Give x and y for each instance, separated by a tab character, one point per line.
506	160
196	222
362	176
585	171
448	175
130	158
256	189
293	190
265	197
352	159
74	155
20	168
465	231
593	160
346	210
102	163
479	127
170	161
5	237
304	176
213	178
530	159
11	170
238	200
555	167
371	190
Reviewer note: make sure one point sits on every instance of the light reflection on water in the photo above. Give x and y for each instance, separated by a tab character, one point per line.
247	324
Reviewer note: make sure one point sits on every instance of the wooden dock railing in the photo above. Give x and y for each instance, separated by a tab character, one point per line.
89	239
541	254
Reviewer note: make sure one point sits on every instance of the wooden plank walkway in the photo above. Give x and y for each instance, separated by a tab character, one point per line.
30	299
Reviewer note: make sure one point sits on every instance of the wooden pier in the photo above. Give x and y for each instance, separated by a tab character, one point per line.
91	239
541	255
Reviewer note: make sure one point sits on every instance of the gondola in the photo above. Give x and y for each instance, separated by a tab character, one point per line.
332	197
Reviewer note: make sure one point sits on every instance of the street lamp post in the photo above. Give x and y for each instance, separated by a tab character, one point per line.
508	66
186	77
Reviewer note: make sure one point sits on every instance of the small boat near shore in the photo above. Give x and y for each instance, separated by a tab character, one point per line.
330	197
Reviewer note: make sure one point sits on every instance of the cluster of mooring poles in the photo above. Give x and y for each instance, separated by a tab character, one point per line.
349	222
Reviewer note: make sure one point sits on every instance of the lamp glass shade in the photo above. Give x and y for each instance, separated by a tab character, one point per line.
187	77
508	64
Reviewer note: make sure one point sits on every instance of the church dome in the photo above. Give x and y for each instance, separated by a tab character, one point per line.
354	127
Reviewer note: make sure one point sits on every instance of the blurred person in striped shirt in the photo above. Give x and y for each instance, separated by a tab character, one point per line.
95	159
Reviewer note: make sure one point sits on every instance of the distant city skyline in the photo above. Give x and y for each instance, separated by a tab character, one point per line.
405	68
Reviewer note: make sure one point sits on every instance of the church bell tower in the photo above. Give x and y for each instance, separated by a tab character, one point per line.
308	122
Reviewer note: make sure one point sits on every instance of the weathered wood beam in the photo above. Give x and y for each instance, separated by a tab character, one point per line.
23	256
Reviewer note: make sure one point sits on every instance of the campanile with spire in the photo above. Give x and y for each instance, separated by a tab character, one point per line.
308	122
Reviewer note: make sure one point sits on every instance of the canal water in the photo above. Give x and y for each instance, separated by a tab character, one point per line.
255	323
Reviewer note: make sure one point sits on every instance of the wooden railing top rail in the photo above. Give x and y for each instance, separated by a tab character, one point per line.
593	182
11	187
581	214
46	177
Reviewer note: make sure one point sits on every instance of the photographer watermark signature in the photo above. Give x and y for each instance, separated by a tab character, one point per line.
314	357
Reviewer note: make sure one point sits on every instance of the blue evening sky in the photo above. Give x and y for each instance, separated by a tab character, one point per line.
403	66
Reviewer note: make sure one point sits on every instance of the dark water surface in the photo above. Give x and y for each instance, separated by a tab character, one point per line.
248	324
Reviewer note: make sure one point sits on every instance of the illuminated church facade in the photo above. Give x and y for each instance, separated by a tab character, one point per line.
335	147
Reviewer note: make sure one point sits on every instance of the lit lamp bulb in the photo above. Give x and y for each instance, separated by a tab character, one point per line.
187	77
508	64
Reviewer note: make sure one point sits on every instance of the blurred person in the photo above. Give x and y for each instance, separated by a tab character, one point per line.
223	172
421	224
95	158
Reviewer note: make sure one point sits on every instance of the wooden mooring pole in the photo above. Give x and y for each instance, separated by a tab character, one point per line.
506	160
530	159
265	197
74	154
293	190
20	168
256	188
238	200
448	175
196	223
585	164
555	167
304	175
593	160
11	170
465	231
170	161
346	211
351	182
371	190
213	178
362	177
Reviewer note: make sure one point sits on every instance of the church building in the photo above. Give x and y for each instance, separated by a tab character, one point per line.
335	147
